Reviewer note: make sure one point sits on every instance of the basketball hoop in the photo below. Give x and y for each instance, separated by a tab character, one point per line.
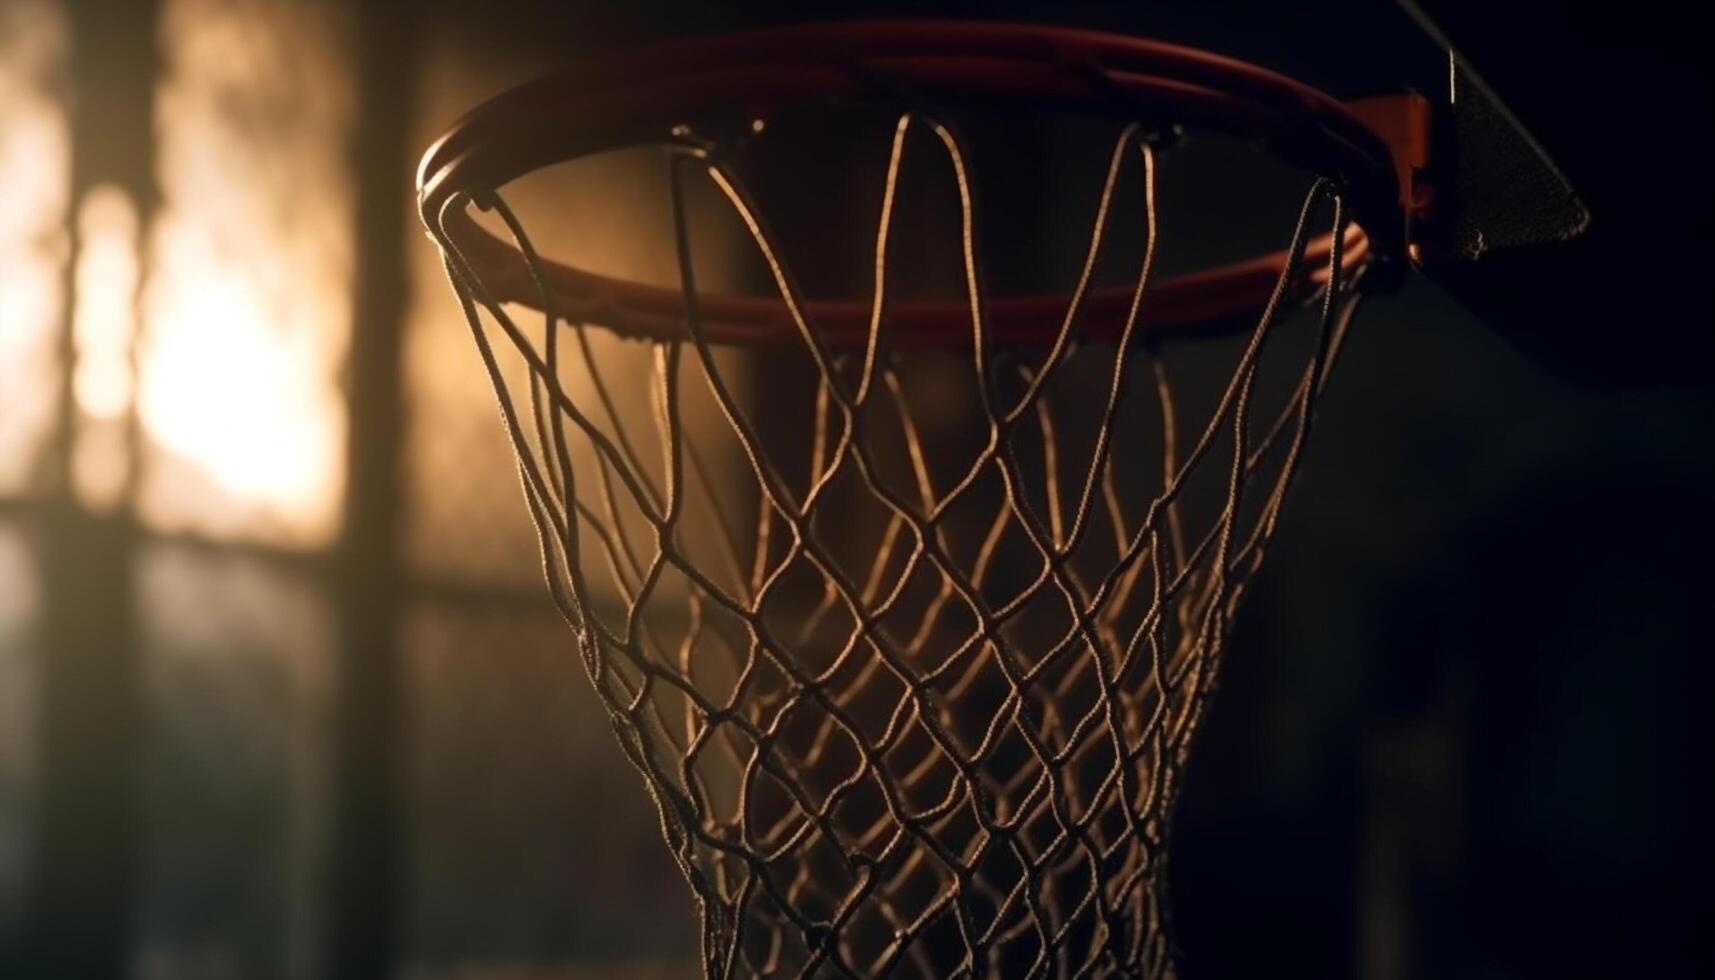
907	710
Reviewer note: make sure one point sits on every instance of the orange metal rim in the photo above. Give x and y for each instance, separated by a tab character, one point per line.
639	98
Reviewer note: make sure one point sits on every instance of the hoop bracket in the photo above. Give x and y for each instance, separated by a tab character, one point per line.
1406	123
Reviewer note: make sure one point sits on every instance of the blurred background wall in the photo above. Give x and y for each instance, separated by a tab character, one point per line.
282	696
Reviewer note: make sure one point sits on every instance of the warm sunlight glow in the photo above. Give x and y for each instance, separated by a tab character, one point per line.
35	175
226	391
104	319
104	323
247	302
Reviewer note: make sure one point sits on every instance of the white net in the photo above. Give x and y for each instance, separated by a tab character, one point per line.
909	645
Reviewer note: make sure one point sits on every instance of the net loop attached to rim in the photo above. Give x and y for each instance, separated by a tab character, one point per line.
912	693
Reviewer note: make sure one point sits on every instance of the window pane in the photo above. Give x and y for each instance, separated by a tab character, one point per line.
104	324
247	304
19	607
35	170
237	660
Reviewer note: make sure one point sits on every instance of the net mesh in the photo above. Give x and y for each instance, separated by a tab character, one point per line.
909	647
